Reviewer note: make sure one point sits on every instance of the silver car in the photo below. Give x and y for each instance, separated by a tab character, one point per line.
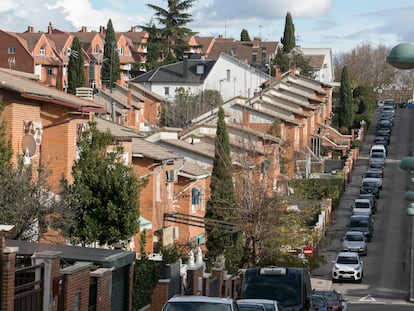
354	241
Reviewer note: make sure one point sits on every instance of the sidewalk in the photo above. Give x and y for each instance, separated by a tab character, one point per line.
321	277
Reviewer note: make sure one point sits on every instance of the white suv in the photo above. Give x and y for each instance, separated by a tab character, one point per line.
347	266
189	303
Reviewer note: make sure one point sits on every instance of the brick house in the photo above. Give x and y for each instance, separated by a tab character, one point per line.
43	123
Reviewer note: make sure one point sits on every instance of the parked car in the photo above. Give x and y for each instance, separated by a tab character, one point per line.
335	300
378	149
354	241
377	157
370	185
370	197
319	303
270	305
363	223
377	166
375	173
192	302
362	206
385	133
380	140
348	266
250	306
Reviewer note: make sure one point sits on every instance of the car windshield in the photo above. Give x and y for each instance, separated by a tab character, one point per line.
330	296
377	155
347	260
196	306
318	301
358	222
354	237
369	184
285	290
251	307
373	175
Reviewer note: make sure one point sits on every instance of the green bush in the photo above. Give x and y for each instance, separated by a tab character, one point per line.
146	275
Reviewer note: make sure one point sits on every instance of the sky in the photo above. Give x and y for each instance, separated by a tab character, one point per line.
337	24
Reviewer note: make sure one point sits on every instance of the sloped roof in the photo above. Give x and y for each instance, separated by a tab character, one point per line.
117	130
193	169
107	258
15	81
177	73
153	151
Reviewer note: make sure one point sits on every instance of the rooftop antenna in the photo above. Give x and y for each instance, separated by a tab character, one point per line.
260	31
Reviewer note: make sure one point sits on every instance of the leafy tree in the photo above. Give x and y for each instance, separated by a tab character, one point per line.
221	206
187	106
288	40
76	67
24	199
346	109
244	35
111	70
173	33
102	204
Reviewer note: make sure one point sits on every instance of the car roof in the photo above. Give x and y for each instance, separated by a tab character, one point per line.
195	298
348	254
351	232
369	179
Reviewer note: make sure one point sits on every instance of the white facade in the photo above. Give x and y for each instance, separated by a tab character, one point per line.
326	72
229	76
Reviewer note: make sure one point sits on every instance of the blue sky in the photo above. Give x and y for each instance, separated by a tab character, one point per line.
337	24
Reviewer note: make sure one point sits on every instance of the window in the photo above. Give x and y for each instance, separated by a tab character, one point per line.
121	50
228	74
43	50
166	90
11	50
96	49
50	72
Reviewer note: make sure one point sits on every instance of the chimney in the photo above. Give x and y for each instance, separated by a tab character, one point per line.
49	28
185	66
129	98
101	29
29	29
278	73
133	29
84	29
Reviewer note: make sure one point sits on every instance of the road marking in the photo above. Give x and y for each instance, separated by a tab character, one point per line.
367	298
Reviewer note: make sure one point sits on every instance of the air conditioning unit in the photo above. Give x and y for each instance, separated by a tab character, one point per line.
172	176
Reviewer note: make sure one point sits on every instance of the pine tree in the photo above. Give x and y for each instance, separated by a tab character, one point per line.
111	70
346	109
222	204
173	33
288	40
76	67
102	203
244	35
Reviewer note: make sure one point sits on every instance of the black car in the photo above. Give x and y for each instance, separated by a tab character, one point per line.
385	133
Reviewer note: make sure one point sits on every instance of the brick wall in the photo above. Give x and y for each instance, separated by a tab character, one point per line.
103	295
76	286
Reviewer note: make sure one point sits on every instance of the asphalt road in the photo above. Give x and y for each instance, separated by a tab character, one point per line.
387	267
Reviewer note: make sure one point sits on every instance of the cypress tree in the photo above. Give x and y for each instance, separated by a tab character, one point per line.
6	151
76	67
244	35
222	204
111	70
346	109
288	40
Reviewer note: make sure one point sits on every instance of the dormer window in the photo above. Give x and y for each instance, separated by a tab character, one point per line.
11	49
43	50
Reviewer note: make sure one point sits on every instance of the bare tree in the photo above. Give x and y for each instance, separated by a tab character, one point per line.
367	66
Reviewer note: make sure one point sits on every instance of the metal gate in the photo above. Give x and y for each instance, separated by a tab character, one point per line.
28	289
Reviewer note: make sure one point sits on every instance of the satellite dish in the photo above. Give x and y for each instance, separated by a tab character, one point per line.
29	145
